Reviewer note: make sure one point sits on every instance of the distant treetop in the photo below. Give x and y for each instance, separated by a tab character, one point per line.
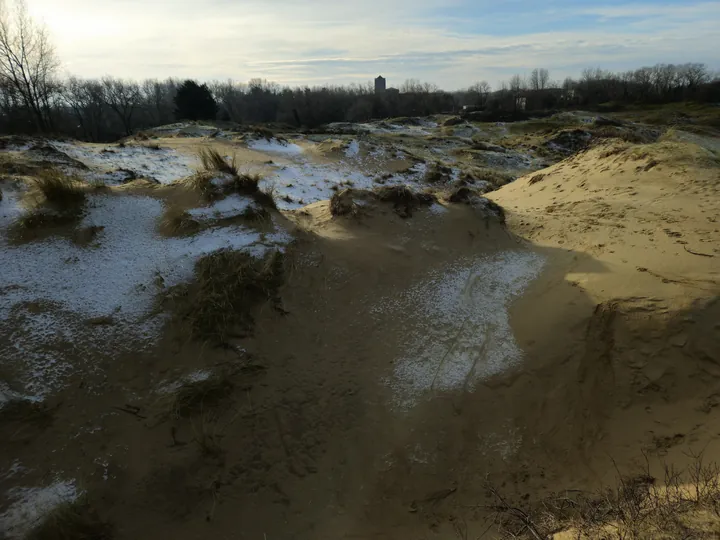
194	102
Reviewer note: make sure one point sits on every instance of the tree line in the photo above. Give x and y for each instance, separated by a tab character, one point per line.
35	99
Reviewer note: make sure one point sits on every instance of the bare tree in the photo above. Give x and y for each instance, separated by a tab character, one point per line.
230	97
411	86
481	91
515	83
693	75
86	100
430	88
123	98
544	78
534	81
28	61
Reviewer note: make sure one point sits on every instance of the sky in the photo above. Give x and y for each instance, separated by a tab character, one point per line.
452	43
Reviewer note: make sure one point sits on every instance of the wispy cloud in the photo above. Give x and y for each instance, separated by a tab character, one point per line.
452	42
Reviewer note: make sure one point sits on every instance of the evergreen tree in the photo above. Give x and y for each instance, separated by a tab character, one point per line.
194	102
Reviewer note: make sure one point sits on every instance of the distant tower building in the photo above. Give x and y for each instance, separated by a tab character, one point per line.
380	85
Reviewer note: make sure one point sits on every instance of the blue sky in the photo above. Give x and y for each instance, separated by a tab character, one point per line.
452	43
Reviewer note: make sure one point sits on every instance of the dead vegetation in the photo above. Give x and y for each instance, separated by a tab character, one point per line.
536	178
76	520
453	121
404	199
178	222
212	161
60	190
682	504
495	178
464	194
219	303
211	186
437	173
48	156
342	203
262	132
59	201
205	184
40	218
15	166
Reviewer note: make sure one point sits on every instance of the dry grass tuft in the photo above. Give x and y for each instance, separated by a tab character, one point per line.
342	203
16	167
682	504
228	284
246	184
178	222
474	198
60	191
39	222
257	213
495	178
404	199
266	198
213	161
205	182
437	173
73	521
59	201
42	217
263	132
464	194
536	178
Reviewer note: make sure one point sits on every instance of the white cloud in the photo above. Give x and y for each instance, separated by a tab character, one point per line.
688	10
324	41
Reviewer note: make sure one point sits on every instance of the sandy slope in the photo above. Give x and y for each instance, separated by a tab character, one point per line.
634	369
409	363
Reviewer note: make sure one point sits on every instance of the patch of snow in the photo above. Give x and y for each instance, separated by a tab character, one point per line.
31	505
438	209
194	377
304	182
164	165
15	469
276	146
187	129
109	178
222	180
353	149
379	152
461	333
232	205
7	395
10	208
118	279
20	147
300	184
198	376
